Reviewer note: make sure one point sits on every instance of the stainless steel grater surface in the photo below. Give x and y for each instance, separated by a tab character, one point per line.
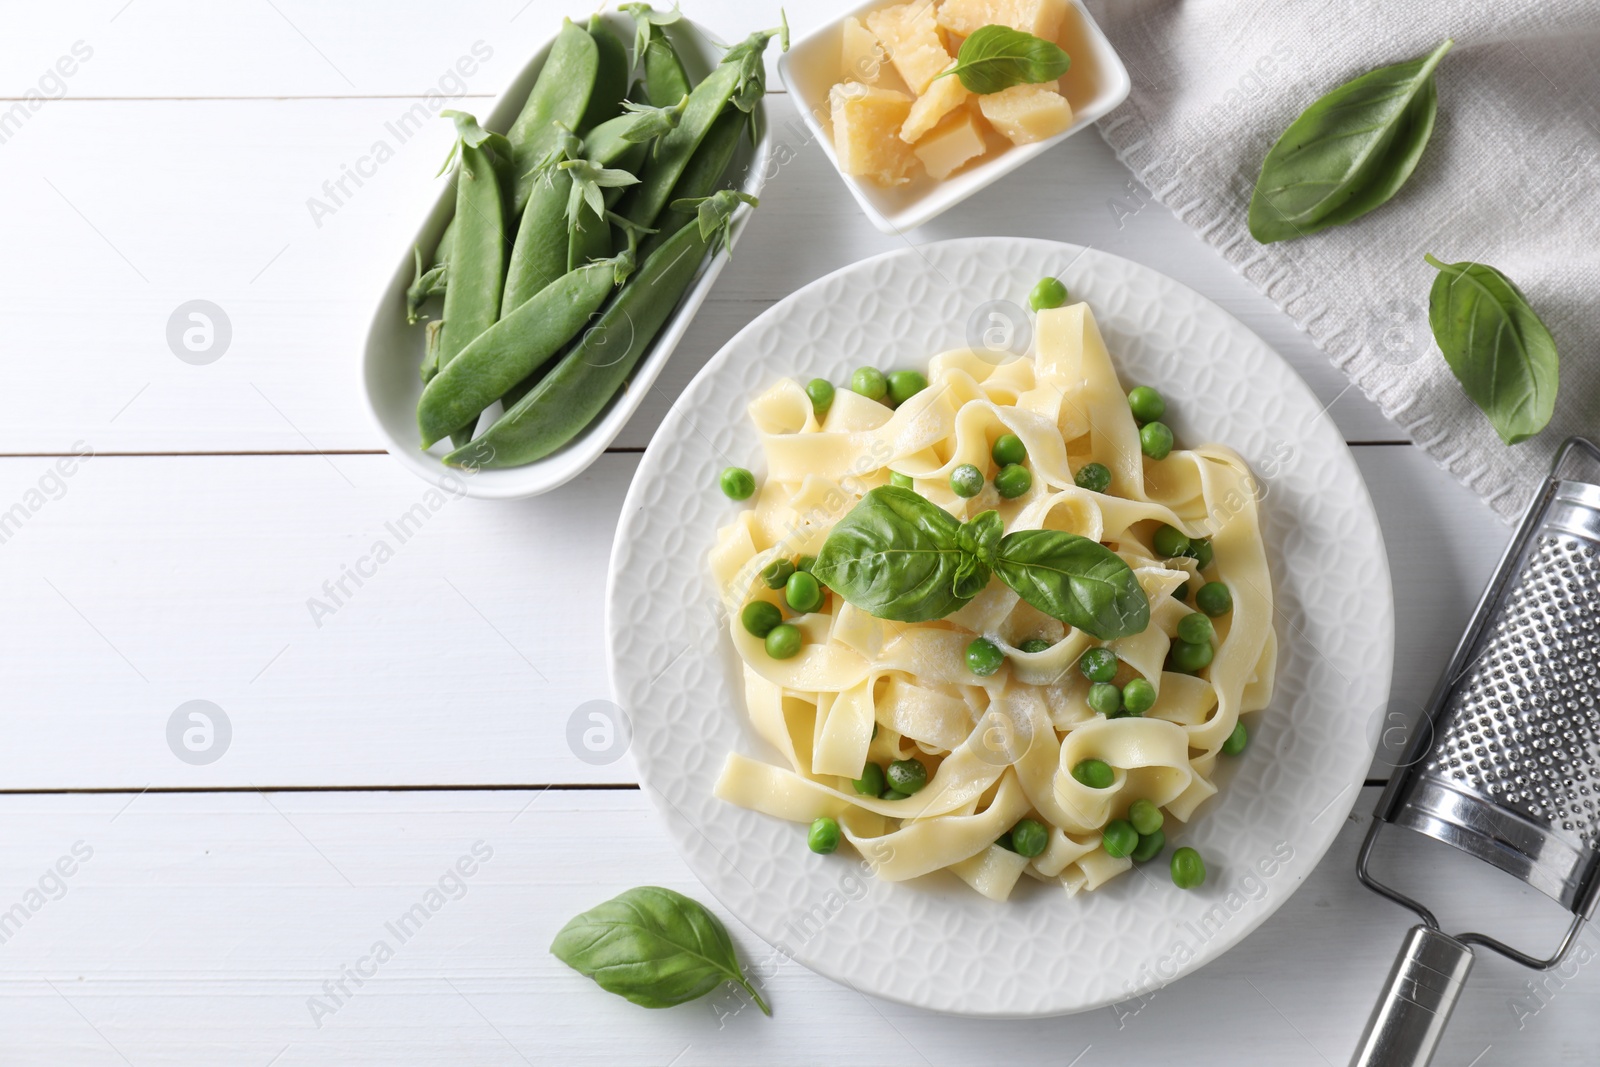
1506	764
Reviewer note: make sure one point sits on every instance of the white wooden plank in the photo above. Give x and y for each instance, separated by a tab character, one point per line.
109	253
201	926
153	581
189	48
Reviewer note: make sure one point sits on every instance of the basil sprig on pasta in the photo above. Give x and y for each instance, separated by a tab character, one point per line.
900	557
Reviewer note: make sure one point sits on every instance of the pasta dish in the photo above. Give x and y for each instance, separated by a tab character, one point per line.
991	619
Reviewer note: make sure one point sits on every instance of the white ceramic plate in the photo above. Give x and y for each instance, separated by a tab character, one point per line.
933	942
1095	84
394	348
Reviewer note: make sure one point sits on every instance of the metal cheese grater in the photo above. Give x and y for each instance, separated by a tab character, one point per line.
1510	771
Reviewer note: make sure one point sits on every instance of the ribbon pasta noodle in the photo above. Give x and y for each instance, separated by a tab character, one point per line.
998	748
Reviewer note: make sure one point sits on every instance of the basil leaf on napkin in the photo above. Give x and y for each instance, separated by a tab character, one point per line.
896	556
996	58
1496	345
1078	581
655	947
1347	153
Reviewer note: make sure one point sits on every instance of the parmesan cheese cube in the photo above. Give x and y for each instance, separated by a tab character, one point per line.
950	144
865	123
944	95
862	55
1042	18
911	37
1027	113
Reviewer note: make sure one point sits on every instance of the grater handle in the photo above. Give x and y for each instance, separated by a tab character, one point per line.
1410	1017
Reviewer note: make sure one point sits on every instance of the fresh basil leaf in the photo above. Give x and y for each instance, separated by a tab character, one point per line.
896	556
1347	153
653	946
1078	581
995	58
1496	345
981	535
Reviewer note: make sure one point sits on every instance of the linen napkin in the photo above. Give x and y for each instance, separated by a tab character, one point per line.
1510	178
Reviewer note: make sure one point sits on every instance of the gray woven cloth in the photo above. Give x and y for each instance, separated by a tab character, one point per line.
1511	178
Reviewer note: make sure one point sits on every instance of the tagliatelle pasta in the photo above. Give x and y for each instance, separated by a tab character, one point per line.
998	748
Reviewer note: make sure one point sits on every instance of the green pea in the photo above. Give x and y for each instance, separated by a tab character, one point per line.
1095	477
1004	841
805	563
1214	599
904	481
1029	837
824	836
874	731
783	641
1201	550
1169	541
1047	293
1008	449
1145	817
759	617
775	575
1139	696
1098	664
984	657
871	781
1094	773
1191	658
1195	628
1035	644
1146	404
802	592
1013	480
1150	846
820	390
1106	699
1188	869
738	483
907	776
892	794
1119	838
1155	440
966	481
905	384
869	382
1181	593
1237	740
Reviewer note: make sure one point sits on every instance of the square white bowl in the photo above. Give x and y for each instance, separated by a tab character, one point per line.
1094	85
394	349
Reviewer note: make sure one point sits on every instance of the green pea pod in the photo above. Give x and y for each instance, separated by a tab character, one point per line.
511	349
425	283
703	173
664	76
611	76
542	247
560	95
567	399
478	263
740	80
430	349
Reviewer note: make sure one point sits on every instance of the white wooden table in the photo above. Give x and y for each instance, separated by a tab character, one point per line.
212	910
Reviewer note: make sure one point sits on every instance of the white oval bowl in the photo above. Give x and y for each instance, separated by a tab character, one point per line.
394	348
